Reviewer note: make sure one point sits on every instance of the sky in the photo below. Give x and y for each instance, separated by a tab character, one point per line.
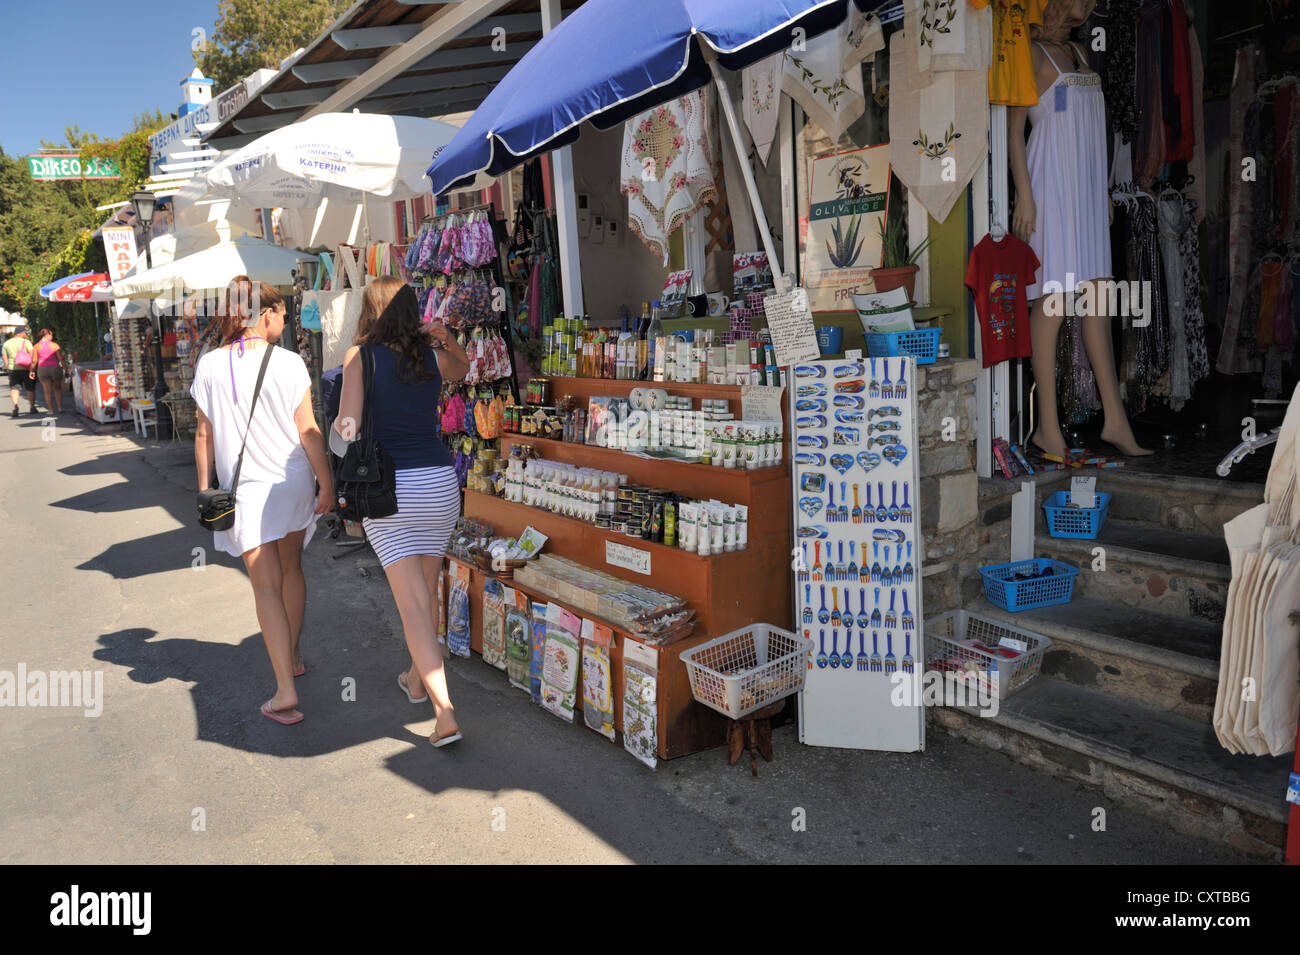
76	62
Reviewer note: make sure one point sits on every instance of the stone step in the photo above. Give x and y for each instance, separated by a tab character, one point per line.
1196	504
1169	663
1156	762
1153	568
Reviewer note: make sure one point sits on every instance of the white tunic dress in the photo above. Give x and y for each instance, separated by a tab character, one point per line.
277	487
1067	173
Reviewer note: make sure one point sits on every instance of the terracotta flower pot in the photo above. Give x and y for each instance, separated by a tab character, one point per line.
905	277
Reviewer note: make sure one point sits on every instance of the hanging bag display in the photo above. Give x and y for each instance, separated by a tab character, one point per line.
217	507
366	482
309	313
341	307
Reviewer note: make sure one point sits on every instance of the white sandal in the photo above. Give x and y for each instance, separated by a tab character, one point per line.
401	681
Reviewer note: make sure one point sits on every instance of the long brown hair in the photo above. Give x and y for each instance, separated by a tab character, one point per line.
43	334
243	296
390	315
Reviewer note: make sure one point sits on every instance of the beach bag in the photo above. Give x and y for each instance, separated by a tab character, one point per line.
340	307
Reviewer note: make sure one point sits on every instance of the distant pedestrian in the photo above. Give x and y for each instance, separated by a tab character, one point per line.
18	354
276	501
49	370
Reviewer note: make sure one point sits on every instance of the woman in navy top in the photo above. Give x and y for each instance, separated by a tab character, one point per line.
411	360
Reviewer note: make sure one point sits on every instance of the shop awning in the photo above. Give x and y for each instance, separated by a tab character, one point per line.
613	59
409	57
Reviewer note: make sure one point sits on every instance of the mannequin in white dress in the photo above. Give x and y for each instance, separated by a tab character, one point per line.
1063	211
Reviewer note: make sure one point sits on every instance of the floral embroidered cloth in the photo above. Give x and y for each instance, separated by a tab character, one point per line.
667	168
951	34
760	86
938	131
823	74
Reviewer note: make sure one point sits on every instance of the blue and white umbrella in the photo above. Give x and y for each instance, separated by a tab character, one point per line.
613	59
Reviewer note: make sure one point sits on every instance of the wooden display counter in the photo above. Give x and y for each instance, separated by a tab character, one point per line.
728	591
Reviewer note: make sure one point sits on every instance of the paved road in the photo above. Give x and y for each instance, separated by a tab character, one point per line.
98	530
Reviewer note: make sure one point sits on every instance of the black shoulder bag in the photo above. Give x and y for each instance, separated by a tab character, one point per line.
217	507
366	481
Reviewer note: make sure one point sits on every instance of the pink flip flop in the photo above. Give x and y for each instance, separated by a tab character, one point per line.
301	669
275	715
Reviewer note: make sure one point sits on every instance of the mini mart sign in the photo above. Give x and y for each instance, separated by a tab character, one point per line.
72	166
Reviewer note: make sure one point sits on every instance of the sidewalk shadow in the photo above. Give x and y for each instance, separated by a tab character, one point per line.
232	682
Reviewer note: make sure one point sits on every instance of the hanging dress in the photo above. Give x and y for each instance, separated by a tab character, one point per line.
1067	174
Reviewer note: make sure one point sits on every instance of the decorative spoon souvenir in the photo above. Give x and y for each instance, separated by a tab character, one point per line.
909	621
900	386
835	605
844	502
857	509
873	390
822	659
891	662
835	654
807	616
906	511
864	572
869	515
909	572
875	565
875	613
864	661
850	573
817	563
909	665
864	618
886	386
882	512
877	665
891	615
823	615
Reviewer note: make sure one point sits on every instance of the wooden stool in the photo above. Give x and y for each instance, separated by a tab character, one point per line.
753	732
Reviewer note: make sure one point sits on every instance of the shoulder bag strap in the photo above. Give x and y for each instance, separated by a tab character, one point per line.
368	395
257	390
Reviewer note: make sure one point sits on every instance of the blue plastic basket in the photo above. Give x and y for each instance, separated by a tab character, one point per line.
922	344
1066	521
1017	595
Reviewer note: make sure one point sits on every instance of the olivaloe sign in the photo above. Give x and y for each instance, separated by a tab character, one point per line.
70	166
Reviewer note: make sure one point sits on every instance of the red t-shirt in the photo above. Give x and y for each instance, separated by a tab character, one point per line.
998	274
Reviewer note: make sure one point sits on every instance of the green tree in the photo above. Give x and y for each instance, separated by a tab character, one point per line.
252	34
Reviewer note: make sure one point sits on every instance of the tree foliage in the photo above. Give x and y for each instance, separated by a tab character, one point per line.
252	34
46	228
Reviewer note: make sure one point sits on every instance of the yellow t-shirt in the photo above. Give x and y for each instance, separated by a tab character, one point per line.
1011	77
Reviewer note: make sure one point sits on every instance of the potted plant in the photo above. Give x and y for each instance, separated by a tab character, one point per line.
899	267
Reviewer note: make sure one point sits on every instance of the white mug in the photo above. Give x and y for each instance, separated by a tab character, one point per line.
718	303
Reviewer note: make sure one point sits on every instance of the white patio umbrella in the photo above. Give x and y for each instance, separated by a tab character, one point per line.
213	268
337	156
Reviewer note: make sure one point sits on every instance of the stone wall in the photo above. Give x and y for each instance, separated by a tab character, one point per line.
949	491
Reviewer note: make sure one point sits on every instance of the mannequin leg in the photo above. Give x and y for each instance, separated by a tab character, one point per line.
1097	342
1044	328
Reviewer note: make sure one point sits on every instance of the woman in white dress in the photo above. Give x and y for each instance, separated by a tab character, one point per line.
284	458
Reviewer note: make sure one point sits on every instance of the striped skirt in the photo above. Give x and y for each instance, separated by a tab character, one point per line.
428	505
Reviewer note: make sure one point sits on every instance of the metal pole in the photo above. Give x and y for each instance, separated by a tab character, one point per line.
729	113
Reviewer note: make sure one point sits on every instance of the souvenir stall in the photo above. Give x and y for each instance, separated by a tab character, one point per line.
651	466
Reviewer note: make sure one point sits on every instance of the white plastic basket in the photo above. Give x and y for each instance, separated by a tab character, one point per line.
747	669
947	650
